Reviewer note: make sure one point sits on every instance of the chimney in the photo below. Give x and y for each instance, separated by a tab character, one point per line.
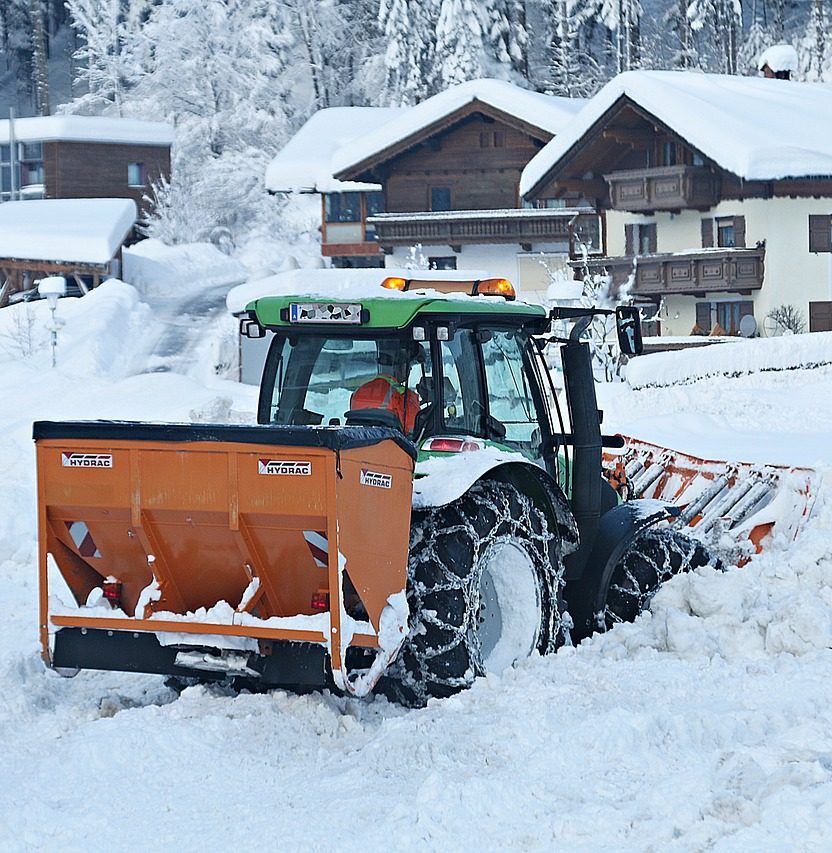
778	62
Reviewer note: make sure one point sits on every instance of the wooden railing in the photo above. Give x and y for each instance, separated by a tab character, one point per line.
689	273
460	227
663	188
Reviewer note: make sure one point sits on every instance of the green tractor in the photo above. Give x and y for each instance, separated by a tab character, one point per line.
517	542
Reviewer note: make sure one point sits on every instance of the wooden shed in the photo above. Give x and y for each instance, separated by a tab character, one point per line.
80	239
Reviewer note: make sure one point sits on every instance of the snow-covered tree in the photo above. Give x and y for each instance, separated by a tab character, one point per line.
108	32
460	31
622	18
336	41
719	21
410	34
573	71
40	57
16	27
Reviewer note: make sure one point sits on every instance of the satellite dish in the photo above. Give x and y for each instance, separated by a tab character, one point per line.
748	326
771	327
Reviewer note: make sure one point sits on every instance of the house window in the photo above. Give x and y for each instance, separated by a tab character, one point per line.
135	175
641	239
697	160
31	151
440	198
703	319
31	174
729	315
31	164
375	203
730	232
343	207
668	154
485	139
445	263
820	233
499	139
725	237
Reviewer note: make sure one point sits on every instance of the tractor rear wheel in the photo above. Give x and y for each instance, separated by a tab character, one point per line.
484	578
653	557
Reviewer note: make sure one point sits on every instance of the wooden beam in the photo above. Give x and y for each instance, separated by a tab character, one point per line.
589	188
4	292
81	284
628	136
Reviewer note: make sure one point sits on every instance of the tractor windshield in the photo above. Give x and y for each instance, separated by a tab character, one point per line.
317	379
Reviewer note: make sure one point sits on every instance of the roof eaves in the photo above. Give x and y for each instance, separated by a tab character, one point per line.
446	120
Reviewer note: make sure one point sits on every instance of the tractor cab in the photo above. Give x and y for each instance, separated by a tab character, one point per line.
453	374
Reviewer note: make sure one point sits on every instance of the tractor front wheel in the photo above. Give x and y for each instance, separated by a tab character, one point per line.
484	576
653	557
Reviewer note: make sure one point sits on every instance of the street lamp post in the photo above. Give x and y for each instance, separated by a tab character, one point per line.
53	287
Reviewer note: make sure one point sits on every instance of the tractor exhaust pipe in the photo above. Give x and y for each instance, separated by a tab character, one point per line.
579	383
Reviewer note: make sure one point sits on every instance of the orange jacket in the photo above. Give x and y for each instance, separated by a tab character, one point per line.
386	392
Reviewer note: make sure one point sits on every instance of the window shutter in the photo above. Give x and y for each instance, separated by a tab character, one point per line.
707	233
739	232
820	233
652	238
703	316
629	239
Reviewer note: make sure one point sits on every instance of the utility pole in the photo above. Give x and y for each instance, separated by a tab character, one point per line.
13	161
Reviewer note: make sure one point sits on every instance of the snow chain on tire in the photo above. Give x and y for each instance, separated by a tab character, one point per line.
441	654
651	559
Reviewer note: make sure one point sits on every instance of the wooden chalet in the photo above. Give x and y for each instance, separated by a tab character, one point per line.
80	239
82	157
716	193
450	170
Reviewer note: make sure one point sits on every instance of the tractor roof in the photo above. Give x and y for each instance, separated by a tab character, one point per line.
393	310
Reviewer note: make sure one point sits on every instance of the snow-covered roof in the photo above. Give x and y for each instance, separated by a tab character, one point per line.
337	283
757	128
305	162
778	57
73	230
546	112
73	128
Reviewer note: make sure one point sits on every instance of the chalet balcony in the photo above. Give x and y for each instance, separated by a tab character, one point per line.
692	273
664	188
456	228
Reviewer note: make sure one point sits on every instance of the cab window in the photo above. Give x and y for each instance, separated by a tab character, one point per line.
315	376
510	401
462	406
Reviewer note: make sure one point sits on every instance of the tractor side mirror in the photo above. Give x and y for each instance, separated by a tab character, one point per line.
628	327
250	328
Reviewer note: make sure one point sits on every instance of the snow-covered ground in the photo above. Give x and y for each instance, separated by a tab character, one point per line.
706	725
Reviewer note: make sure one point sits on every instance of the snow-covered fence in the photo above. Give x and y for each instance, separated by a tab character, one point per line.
740	358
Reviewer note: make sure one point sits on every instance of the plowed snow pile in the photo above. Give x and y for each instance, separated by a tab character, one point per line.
705	725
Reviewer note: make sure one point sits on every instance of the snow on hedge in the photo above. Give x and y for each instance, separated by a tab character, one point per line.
743	357
758	129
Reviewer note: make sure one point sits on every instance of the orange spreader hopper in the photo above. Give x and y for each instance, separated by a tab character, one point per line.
739	508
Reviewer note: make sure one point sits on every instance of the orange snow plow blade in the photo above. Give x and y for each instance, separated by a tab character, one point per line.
226	537
738	507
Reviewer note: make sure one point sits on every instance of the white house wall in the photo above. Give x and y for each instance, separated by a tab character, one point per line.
792	276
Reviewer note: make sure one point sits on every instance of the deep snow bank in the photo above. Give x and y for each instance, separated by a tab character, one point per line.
790	352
